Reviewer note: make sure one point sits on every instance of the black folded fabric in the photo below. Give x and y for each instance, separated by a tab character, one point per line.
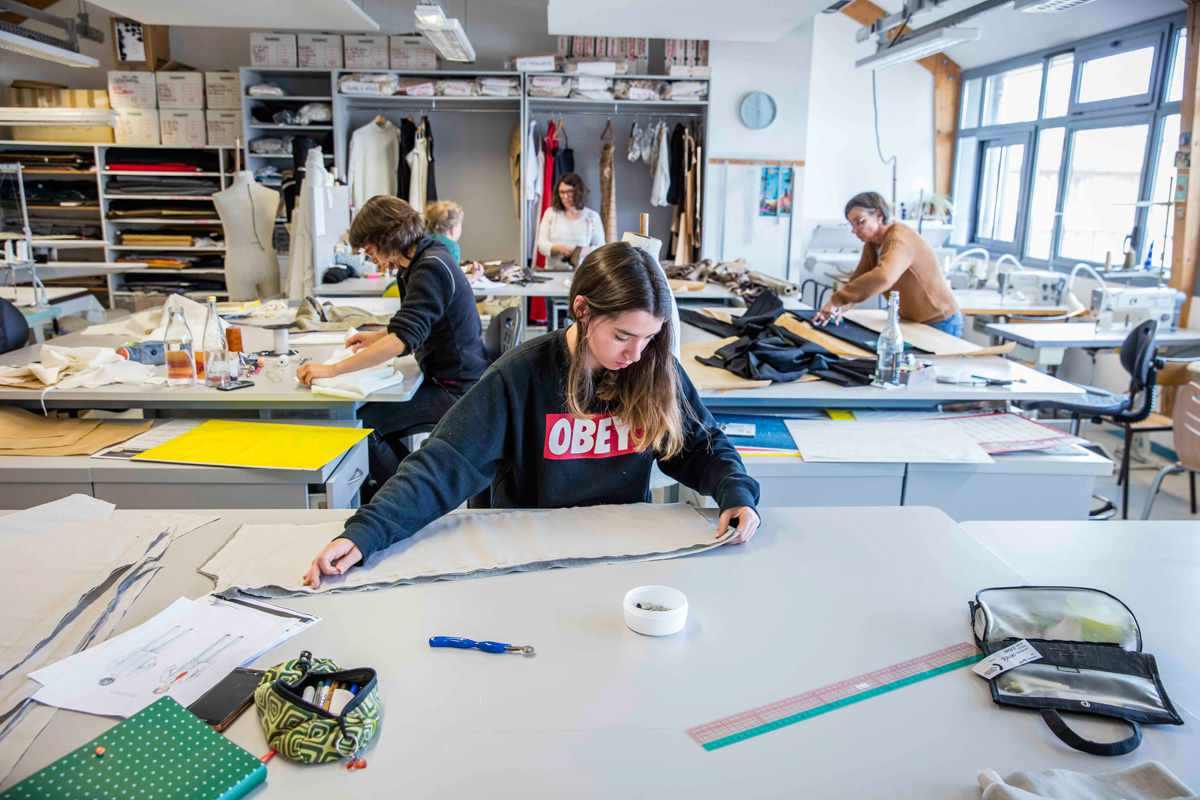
852	332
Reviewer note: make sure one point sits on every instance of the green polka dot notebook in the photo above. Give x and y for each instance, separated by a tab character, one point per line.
163	752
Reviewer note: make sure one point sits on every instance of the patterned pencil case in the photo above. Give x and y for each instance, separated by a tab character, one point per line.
1091	660
305	731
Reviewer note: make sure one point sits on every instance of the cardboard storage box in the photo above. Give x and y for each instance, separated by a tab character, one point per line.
36	97
366	52
138	46
136	126
223	90
273	50
223	126
319	50
412	52
132	90
182	127
180	89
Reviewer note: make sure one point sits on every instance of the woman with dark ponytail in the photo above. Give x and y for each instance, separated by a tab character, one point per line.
604	400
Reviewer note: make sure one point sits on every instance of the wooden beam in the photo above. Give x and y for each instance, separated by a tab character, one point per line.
1186	241
947	86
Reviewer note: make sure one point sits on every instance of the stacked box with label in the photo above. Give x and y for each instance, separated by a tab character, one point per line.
322	51
366	52
273	50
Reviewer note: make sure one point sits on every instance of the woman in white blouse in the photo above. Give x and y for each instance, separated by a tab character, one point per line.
568	224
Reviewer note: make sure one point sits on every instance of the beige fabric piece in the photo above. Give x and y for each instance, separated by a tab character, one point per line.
19	733
705	377
270	560
1149	781
686	286
23	433
340	318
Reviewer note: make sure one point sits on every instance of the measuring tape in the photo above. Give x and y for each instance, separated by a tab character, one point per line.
781	713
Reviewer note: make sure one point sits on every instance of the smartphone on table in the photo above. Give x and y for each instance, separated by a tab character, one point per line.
222	704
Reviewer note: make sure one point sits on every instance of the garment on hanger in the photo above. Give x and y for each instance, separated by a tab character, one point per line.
302	271
431	194
608	184
549	151
300	147
564	157
536	166
685	210
408	136
677	165
514	164
660	168
418	170
374	159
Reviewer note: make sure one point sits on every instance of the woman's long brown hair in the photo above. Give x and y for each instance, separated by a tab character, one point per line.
613	279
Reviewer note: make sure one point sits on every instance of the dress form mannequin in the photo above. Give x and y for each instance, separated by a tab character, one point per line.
247	210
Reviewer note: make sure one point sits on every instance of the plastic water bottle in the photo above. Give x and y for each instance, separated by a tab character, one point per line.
890	348
212	363
181	365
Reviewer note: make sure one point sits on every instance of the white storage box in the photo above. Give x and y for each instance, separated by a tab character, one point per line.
366	52
182	127
273	50
136	126
180	89
319	50
131	90
222	90
223	126
412	52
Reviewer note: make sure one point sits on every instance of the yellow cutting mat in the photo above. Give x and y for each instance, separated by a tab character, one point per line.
257	444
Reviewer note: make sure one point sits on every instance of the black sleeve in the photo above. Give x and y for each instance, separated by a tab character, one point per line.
458	461
708	463
430	287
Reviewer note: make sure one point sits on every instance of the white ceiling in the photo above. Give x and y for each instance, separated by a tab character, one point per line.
1008	33
728	20
266	15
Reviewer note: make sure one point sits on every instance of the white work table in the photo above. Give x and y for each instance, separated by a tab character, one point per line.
556	286
264	397
823	394
1154	567
819	595
989	303
1037	335
53	270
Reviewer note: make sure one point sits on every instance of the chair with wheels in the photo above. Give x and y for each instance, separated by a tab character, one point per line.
14	330
1139	357
1187	445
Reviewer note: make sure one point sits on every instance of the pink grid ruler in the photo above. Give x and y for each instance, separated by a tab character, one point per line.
781	713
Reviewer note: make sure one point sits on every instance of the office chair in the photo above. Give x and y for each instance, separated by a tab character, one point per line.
1140	359
14	330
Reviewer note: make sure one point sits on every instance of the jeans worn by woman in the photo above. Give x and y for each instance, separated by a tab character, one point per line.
952	325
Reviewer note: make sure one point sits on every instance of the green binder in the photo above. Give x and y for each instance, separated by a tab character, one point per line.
163	752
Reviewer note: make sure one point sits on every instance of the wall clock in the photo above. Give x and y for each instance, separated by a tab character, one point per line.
758	110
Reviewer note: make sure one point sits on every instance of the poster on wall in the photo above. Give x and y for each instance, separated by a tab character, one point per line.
785	194
768	193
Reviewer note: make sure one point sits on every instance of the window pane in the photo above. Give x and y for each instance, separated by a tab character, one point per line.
1045	192
1102	186
1121	75
1058	86
964	188
1175	82
970	103
1161	220
1012	96
999	192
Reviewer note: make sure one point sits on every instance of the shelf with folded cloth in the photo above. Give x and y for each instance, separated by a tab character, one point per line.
167	248
158	172
273	127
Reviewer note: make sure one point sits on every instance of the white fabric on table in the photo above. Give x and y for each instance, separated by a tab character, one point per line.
1149	781
270	560
73	367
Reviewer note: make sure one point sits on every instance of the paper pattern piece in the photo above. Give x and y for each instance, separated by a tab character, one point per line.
263	445
885	442
23	433
1011	433
270	560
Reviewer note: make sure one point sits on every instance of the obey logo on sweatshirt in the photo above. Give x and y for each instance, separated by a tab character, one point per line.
569	437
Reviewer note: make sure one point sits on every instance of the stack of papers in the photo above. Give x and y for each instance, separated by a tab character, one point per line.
183	652
55	606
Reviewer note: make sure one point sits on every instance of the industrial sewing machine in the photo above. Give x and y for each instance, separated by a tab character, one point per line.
1128	306
1035	286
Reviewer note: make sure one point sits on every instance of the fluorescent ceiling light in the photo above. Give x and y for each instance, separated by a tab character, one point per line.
1047	5
911	49
430	13
16	115
32	47
450	41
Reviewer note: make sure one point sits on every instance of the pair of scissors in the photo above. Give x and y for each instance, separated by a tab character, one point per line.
487	647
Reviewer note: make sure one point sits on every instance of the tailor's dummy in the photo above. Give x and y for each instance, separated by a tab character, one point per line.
247	210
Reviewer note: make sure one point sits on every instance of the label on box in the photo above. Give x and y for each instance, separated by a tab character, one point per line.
132	90
420	90
272	49
136	126
577	46
535	64
222	90
642	93
1002	661
564	45
324	51
586	83
456	88
412	53
502	89
224	127
547	81
702	53
597	67
601	47
183	127
691	52
366	52
180	89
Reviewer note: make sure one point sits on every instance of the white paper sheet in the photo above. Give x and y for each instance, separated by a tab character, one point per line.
157	435
894	442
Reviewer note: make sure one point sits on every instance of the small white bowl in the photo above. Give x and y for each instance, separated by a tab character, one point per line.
656	623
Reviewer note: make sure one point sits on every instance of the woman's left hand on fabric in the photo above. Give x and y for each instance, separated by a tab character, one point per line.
310	372
748	522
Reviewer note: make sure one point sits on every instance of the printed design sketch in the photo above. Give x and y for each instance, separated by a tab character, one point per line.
194	667
144	658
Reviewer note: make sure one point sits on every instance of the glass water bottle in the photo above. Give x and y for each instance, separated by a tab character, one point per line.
212	363
890	348
181	365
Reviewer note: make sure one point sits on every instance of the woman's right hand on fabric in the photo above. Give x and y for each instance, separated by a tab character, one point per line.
831	313
337	557
364	339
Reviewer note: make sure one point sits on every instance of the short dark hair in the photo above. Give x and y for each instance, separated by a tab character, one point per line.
871	201
388	224
576	183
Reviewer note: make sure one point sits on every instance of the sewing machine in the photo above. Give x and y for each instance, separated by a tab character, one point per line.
1036	286
1129	306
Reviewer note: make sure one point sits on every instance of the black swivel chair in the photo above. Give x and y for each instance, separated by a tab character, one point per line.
1139	357
14	330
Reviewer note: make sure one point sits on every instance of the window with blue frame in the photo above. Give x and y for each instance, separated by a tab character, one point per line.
1068	155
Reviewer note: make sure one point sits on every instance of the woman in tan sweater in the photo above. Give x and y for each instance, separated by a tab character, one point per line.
894	258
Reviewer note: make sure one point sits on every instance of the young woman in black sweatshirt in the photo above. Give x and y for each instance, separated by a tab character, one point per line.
572	418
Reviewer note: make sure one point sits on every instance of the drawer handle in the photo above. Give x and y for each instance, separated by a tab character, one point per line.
356	477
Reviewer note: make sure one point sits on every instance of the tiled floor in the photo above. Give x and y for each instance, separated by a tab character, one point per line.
1172	501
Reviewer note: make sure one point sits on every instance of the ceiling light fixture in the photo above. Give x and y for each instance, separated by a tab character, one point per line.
446	34
17	115
431	13
912	48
